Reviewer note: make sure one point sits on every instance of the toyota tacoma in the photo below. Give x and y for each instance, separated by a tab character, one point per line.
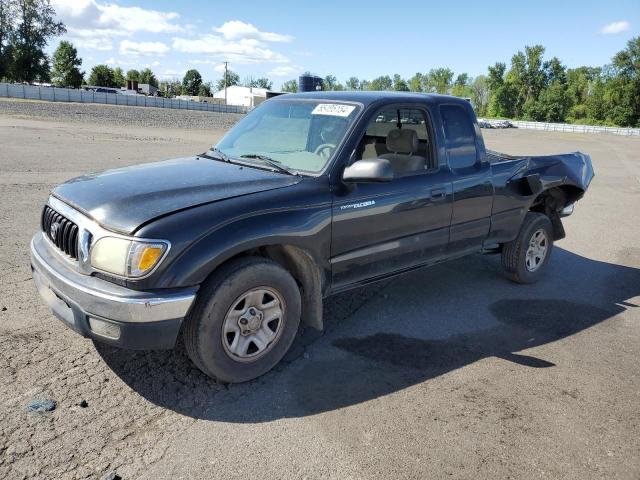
309	195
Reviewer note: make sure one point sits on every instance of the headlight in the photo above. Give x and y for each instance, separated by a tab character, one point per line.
128	258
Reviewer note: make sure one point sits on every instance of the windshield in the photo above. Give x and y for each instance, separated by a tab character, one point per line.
299	135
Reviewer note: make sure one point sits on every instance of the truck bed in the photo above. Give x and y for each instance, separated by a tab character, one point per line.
567	169
497	157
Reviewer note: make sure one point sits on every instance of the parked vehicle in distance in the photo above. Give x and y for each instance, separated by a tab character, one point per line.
105	90
503	124
488	123
309	195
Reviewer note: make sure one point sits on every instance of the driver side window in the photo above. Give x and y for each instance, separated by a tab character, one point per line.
401	135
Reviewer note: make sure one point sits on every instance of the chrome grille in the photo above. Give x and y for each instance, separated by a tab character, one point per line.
61	231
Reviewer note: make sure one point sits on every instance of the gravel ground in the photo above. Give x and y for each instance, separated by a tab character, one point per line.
96	114
450	372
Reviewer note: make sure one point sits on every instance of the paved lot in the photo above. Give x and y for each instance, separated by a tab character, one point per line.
452	372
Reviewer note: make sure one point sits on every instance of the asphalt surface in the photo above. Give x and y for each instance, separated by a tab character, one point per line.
451	372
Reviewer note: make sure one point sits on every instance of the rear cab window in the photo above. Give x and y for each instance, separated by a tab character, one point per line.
460	138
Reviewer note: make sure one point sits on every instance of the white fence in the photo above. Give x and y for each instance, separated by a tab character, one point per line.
55	94
569	127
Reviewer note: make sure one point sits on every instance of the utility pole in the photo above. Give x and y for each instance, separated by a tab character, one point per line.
225	82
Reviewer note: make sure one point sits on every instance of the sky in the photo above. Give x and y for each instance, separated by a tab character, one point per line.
345	38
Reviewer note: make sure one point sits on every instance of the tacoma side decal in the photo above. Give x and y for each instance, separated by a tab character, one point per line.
358	205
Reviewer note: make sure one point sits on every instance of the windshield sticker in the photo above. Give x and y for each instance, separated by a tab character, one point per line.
334	109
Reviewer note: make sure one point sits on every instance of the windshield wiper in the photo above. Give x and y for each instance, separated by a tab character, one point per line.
271	162
217	155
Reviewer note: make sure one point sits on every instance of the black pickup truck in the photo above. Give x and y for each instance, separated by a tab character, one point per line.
308	195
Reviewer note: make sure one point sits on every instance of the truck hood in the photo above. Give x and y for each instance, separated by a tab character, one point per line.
123	199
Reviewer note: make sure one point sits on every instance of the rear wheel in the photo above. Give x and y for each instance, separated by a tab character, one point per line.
245	319
525	259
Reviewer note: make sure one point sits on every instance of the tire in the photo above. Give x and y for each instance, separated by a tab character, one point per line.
517	265
224	305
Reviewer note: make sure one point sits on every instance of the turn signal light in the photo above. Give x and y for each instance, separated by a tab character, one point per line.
149	257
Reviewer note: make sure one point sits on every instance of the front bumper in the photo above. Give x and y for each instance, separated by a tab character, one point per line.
105	311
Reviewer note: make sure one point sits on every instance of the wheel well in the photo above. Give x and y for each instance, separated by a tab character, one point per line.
552	200
305	271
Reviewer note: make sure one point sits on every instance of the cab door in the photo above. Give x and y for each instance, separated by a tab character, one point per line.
471	180
383	228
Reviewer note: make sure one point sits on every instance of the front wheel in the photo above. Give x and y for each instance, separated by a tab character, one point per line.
245	319
525	259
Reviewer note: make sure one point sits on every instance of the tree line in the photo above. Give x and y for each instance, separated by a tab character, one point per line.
530	89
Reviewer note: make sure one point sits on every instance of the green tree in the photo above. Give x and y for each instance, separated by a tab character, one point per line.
148	77
502	101
65	71
381	83
330	82
554	71
438	80
525	79
546	90
171	88
416	82
621	101
552	105
262	82
290	86
550	100
232	79
536	77
501	95
133	75
480	94
204	90
595	103
462	86
118	77
36	25
623	88
461	80
101	76
496	75
580	83
400	84
352	84
627	62
7	32
191	82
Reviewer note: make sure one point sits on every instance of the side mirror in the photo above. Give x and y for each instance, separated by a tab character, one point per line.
370	170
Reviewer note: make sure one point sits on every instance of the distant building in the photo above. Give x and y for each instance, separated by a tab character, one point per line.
196	98
147	89
132	85
246	96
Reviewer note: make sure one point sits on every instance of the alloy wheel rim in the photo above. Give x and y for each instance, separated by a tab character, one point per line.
253	324
537	250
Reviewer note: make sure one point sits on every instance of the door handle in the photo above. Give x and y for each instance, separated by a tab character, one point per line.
437	195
